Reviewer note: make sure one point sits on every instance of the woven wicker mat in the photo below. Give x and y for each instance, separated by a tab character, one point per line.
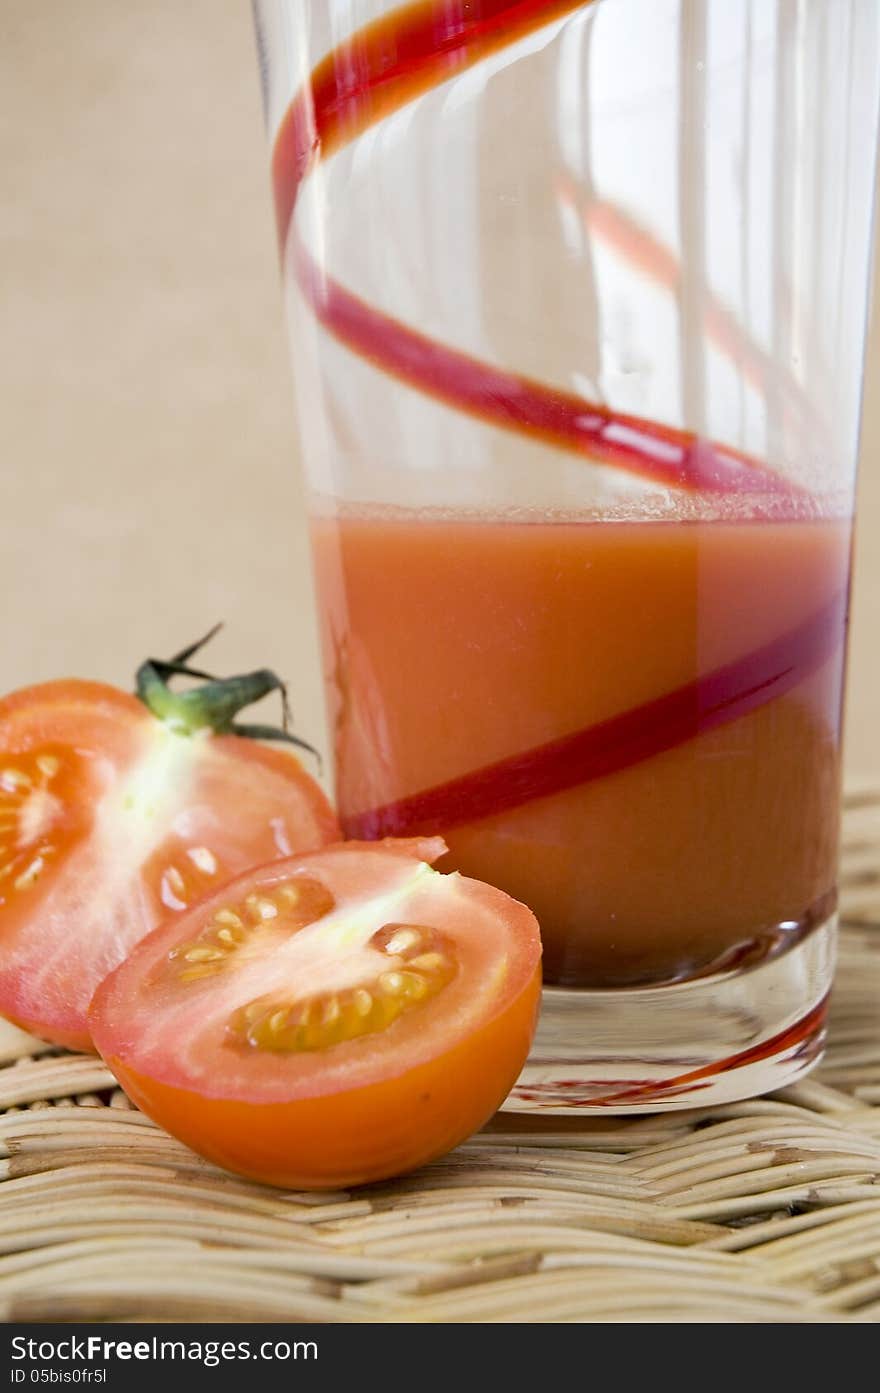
760	1211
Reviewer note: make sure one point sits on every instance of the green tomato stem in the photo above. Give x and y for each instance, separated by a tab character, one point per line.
214	704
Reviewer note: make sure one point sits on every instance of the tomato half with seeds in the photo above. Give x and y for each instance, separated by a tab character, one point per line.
112	820
329	1019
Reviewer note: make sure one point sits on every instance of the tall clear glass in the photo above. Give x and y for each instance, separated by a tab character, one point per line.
577	299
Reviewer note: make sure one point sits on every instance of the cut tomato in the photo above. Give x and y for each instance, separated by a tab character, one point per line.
328	1019
111	821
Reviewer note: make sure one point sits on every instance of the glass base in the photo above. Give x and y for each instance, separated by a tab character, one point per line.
711	1040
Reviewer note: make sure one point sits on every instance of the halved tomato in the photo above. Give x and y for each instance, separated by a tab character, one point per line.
111	821
329	1019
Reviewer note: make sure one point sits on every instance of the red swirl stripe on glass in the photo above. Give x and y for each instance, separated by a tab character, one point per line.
718	697
377	70
805	1040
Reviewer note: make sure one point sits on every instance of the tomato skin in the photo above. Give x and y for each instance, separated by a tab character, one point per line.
371	1133
36	707
130	802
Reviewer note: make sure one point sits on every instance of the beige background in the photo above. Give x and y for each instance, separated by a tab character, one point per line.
148	483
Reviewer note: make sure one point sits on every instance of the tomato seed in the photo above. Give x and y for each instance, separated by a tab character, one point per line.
226	916
28	876
261	908
391	982
13	779
331	1012
203	859
428	962
403	940
362	1001
202	955
175	880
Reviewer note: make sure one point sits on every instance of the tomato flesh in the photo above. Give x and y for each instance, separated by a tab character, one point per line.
328	1019
111	823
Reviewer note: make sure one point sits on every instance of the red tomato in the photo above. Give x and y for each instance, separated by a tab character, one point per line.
110	822
329	1019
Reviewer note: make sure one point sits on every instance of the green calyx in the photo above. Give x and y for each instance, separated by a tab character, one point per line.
215	703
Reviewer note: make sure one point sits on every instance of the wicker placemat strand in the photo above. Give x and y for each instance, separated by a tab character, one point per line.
760	1211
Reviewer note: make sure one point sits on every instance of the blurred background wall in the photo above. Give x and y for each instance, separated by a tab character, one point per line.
148	482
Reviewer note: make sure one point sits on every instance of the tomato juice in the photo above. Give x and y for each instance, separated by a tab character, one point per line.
633	727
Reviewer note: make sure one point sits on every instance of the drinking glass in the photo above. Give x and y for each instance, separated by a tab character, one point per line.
577	301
